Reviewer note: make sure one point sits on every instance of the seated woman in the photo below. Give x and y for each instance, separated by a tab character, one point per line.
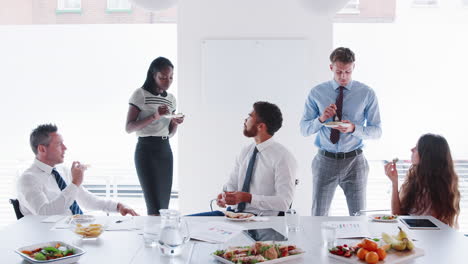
431	185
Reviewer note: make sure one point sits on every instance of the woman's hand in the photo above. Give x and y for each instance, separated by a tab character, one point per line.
178	120
391	172
163	110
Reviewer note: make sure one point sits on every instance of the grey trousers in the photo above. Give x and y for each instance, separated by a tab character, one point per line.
350	174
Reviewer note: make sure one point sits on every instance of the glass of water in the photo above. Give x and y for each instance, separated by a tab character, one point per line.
292	220
328	234
151	231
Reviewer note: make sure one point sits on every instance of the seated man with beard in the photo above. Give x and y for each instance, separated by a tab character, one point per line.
263	179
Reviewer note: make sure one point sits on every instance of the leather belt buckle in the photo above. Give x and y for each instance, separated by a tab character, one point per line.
164	137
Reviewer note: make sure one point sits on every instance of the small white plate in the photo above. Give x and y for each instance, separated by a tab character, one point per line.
173	116
378	218
337	124
249	217
64	260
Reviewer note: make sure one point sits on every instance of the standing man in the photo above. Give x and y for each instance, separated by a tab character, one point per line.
340	160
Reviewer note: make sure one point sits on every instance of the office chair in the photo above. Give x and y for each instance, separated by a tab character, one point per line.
16	207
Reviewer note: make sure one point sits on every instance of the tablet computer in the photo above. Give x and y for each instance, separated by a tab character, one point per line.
265	234
419	223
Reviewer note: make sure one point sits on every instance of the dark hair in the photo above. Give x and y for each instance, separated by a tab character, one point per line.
158	64
41	136
270	115
432	184
343	55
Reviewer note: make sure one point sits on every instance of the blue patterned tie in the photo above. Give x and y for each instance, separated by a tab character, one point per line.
75	208
248	178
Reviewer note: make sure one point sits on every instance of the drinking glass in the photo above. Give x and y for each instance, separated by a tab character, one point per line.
292	220
151	231
328	234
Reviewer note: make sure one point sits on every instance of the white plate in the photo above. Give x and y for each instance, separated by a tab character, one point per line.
241	219
393	257
337	124
372	217
173	116
65	260
273	261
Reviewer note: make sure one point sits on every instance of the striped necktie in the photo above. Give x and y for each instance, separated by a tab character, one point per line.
248	178
75	208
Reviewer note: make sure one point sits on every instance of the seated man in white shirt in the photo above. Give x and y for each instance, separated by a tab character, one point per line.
267	187
46	190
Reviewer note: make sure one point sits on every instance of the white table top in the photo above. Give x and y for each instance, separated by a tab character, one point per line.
441	246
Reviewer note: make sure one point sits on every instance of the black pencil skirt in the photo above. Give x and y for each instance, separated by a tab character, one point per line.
154	166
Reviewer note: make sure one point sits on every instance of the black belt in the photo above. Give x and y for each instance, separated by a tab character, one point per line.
152	139
340	155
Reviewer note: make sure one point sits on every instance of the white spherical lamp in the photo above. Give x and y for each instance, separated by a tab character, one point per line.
155	5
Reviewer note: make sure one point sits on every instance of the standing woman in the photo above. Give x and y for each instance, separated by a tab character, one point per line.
431	185
153	154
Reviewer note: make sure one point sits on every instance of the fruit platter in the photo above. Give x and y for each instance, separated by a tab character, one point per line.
269	253
398	248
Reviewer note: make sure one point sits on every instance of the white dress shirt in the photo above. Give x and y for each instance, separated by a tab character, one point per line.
39	193
273	178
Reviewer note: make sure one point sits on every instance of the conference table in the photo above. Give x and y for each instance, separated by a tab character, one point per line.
445	245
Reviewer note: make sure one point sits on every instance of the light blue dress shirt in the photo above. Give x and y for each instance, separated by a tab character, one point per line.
360	107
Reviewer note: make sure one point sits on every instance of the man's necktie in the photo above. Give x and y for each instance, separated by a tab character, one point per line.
335	134
62	185
248	178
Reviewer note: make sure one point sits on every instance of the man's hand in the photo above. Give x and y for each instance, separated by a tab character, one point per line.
330	111
220	201
347	129
77	171
233	198
123	210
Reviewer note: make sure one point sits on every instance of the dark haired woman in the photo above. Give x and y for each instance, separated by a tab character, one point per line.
431	185
153	154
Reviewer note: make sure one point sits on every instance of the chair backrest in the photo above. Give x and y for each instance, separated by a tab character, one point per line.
16	207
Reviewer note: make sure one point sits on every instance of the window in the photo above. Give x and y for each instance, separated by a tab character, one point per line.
69	4
352	7
118	5
423	3
416	84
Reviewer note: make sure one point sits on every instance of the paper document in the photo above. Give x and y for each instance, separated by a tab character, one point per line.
351	229
53	218
214	232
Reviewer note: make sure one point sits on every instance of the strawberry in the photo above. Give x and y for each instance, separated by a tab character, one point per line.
348	254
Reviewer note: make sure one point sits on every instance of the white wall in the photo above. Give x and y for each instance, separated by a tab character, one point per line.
206	153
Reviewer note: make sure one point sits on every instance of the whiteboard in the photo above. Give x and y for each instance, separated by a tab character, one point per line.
240	72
